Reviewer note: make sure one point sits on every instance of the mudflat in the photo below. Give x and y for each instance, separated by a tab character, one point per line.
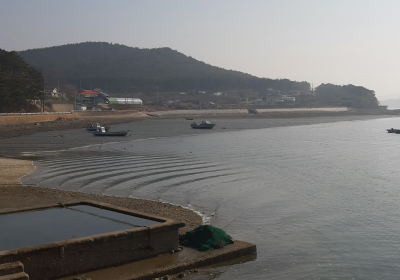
12	169
13	195
62	124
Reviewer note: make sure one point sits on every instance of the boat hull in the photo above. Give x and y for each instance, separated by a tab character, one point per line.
393	130
200	126
117	133
94	129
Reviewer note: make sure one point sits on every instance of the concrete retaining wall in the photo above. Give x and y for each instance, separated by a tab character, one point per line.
32	117
104	113
241	111
63	107
200	112
73	256
16	118
336	109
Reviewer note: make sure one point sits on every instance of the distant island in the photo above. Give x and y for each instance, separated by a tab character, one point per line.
120	70
391	103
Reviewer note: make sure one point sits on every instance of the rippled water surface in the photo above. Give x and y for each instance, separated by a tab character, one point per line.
319	201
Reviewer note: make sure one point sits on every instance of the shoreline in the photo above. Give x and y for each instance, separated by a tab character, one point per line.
13	168
62	123
13	195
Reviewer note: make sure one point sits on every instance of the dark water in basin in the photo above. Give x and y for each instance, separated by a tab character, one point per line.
58	224
320	201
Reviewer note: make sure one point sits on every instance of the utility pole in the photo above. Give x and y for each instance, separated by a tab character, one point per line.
132	98
44	93
157	98
75	98
80	89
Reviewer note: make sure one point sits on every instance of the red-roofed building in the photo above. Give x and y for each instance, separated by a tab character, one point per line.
87	93
87	96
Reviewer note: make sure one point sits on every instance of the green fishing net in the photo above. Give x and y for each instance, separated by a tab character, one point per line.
204	238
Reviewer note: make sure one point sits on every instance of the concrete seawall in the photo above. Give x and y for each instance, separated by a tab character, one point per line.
10	119
25	118
214	112
32	118
289	110
210	112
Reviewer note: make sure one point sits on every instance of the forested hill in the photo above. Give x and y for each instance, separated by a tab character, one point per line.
118	68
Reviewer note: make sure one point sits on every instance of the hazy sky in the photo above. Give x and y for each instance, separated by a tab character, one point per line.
320	41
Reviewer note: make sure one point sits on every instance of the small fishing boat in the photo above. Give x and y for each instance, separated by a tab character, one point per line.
94	128
393	130
103	132
203	125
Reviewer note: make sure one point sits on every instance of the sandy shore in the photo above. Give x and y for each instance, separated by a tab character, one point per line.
12	169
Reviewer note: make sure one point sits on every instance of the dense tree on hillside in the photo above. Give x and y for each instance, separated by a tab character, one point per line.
19	83
349	95
118	68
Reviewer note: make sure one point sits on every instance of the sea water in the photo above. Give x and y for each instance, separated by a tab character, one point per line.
320	201
38	227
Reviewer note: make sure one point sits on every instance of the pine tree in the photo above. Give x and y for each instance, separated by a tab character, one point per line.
19	83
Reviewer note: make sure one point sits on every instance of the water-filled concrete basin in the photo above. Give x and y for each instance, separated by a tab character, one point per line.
59	240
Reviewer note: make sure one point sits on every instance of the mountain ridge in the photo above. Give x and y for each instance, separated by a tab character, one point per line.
118	67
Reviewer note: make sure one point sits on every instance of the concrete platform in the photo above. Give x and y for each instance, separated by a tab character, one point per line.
173	263
57	259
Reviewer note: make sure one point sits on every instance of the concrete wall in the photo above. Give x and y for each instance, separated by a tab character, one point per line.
201	112
42	117
103	113
32	118
290	110
63	107
74	256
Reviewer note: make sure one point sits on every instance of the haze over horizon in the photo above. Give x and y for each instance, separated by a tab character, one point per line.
339	42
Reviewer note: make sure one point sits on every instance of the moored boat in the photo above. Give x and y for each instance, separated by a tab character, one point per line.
94	128
393	130
203	125
103	132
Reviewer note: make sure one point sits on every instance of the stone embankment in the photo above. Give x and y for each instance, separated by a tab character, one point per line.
208	112
27	118
216	112
333	109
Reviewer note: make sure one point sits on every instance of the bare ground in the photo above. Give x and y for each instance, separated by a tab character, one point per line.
12	130
13	195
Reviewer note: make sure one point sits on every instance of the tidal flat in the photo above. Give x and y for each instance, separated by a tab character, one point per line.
315	194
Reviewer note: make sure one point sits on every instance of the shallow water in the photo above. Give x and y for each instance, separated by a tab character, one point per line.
25	229
319	200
